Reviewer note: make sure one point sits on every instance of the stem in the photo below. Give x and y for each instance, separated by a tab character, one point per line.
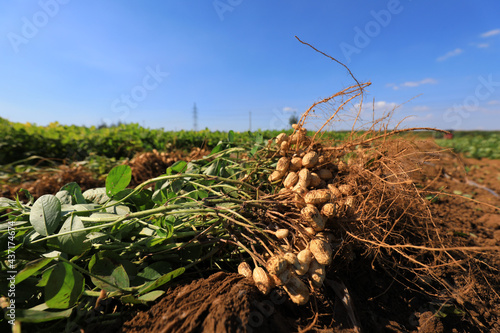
111	222
184	175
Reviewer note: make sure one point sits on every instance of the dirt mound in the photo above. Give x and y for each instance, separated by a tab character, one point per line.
221	303
50	180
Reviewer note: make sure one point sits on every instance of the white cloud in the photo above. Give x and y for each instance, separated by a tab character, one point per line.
490	33
483	45
289	109
450	54
428	116
378	106
418	83
494	102
420	108
384	104
412	84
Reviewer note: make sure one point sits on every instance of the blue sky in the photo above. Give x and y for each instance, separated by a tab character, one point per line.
87	62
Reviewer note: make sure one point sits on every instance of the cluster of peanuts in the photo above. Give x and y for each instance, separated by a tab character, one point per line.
285	270
309	176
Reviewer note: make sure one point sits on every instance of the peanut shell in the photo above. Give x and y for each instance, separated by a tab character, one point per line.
310	159
285	145
244	269
312	216
283	164
315	180
276	265
334	191
345	189
305	256
281	137
297	290
291	258
317	272
276	175
295	163
281	233
325	174
262	281
284	277
329	210
291	179
317	197
305	176
321	250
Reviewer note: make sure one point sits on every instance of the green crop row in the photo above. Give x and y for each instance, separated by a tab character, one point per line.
19	141
474	144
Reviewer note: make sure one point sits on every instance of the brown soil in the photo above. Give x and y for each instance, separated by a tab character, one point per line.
221	303
381	302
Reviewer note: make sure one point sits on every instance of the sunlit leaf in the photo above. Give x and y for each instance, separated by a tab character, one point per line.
46	214
118	179
73	243
75	191
31	268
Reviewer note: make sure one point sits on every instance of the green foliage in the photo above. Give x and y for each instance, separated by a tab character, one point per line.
118	179
75	143
474	144
46	214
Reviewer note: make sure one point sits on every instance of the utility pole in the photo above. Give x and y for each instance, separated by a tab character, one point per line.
195	117
250	121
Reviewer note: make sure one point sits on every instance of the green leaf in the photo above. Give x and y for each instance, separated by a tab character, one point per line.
167	225
46	214
118	179
151	296
162	194
254	150
155	270
259	138
64	197
64	287
177	185
217	149
36	316
177	167
110	271
161	281
45	277
230	136
31	268
96	195
7	203
73	243
213	169
202	194
28	195
118	210
141	200
75	191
